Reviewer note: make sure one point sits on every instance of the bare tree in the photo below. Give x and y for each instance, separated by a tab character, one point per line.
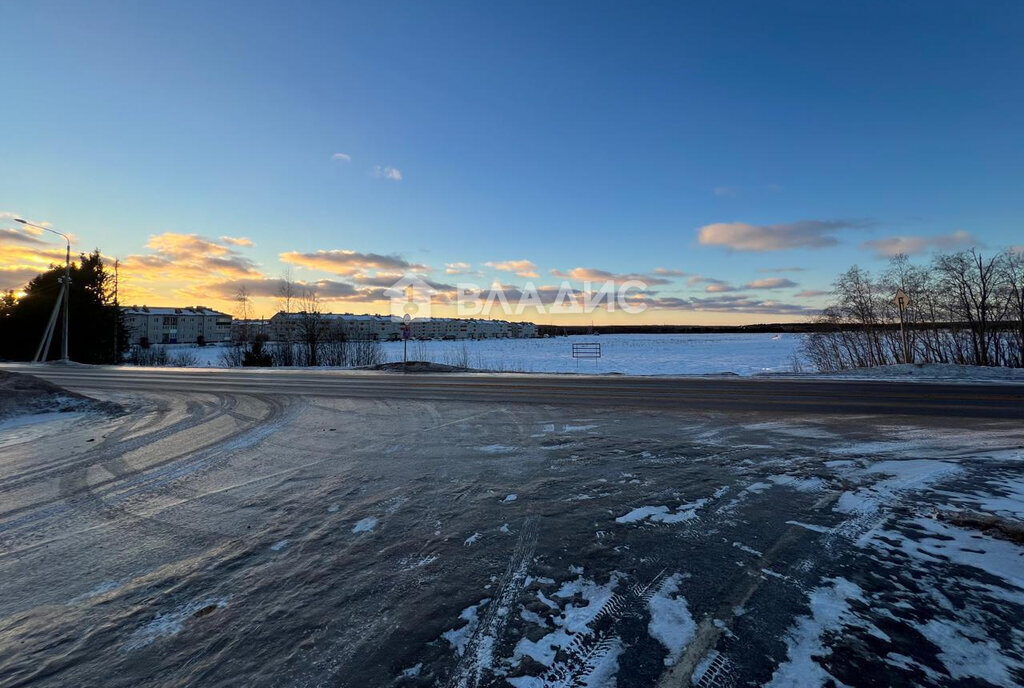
1012	278
962	309
972	282
243	311
286	295
312	325
286	292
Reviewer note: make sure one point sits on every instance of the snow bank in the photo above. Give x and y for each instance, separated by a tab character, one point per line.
930	372
22	395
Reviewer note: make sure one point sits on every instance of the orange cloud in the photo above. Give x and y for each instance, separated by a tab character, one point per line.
347	262
521	268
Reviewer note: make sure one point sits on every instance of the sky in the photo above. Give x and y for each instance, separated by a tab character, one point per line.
733	156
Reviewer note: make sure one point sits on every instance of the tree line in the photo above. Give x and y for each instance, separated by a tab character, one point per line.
963	308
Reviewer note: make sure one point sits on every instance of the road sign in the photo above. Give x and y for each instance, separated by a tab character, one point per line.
586	350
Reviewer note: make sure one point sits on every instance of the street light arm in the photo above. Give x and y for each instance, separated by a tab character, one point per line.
46	229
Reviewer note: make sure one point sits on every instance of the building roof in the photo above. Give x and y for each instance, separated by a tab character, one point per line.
171	310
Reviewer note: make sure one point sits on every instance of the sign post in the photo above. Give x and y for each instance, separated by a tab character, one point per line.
405	338
902	301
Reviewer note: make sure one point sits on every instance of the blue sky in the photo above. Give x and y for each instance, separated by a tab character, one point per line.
593	135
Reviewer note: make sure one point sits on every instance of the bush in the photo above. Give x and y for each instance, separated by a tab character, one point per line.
256	355
144	356
183	359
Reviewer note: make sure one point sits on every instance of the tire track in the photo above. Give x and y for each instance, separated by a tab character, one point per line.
104	498
478	657
587	651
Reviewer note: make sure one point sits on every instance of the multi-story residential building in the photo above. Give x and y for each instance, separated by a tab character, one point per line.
291	326
187	325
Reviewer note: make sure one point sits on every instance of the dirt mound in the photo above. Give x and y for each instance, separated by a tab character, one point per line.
21	394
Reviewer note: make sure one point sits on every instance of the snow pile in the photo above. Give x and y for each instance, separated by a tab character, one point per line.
26	394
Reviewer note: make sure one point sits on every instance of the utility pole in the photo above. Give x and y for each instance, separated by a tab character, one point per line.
117	317
64	298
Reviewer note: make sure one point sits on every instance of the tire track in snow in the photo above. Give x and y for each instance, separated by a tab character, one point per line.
587	651
478	657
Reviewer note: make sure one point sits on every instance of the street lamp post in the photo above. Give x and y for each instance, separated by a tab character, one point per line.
64	298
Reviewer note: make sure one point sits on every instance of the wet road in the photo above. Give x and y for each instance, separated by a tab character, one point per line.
313	536
695	393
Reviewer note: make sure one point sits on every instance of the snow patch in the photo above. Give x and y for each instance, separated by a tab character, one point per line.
671	623
365	525
830	611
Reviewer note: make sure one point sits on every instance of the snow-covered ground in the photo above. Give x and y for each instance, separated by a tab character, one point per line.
945	372
640	354
630	354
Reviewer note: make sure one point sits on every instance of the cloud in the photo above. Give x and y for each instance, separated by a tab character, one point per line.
236	241
724	191
23	256
891	246
545	294
787	269
460	268
13	236
810	293
731	304
188	255
327	290
346	262
343	157
667	272
16	277
388	280
740	236
714	286
180	266
384	172
521	268
770	283
597	275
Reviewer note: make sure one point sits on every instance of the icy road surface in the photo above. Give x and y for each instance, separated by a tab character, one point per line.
250	539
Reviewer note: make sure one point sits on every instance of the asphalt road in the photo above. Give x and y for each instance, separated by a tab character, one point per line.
323	528
684	393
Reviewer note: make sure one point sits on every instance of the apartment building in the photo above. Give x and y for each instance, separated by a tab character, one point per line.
290	326
188	325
